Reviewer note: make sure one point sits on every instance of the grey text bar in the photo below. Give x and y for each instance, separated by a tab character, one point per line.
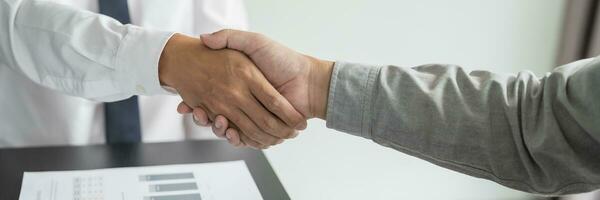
175	197
160	177
173	187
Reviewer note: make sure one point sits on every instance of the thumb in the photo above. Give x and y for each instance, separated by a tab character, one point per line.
247	42
215	40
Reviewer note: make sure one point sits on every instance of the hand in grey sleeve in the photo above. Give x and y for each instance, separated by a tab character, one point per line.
540	135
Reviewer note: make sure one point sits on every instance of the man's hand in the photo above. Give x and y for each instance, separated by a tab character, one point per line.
301	79
226	82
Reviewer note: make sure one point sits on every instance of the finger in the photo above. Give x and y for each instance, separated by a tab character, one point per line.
251	143
220	126
278	105
182	108
201	117
247	42
233	137
200	124
248	128
265	120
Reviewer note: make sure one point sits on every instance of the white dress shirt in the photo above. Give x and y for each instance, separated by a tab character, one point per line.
59	62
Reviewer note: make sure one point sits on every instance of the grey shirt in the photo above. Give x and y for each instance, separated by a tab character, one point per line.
540	135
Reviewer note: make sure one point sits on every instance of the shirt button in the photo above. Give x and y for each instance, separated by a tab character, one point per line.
140	89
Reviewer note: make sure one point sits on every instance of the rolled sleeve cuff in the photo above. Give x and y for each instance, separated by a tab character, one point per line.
351	93
137	60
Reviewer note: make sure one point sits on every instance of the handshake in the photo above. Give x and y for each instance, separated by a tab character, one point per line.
252	90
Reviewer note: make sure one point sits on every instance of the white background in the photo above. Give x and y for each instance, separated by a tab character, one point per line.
500	35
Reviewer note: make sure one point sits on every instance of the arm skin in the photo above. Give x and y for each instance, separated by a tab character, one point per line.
539	135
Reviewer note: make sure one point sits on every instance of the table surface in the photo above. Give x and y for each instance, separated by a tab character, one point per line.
13	162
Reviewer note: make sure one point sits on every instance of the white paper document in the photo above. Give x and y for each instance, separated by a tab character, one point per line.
206	181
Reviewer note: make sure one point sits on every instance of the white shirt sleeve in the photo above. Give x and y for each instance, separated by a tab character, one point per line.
79	53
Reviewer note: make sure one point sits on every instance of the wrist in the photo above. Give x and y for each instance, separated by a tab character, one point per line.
172	57
320	76
166	62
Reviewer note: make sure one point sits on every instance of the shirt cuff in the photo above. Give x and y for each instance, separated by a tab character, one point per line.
137	60
349	105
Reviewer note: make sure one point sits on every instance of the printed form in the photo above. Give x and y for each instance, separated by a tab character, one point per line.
205	181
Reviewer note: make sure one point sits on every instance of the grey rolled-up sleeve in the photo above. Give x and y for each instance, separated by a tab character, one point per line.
539	135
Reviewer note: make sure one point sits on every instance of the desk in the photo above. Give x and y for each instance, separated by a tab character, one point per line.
13	162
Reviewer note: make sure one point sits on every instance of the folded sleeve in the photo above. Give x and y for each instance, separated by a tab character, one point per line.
79	53
535	134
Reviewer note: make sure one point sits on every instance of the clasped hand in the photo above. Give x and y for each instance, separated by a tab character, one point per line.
256	91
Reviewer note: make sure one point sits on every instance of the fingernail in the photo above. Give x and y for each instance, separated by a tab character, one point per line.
228	136
218	124
203	123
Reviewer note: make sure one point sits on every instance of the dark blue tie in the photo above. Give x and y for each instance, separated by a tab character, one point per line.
122	118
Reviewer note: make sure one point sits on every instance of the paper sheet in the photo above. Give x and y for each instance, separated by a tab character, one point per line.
206	181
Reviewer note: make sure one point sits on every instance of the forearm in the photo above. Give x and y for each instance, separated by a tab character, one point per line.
535	135
78	52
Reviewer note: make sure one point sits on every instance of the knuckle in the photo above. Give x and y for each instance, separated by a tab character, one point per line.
270	125
234	95
274	101
243	72
247	72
